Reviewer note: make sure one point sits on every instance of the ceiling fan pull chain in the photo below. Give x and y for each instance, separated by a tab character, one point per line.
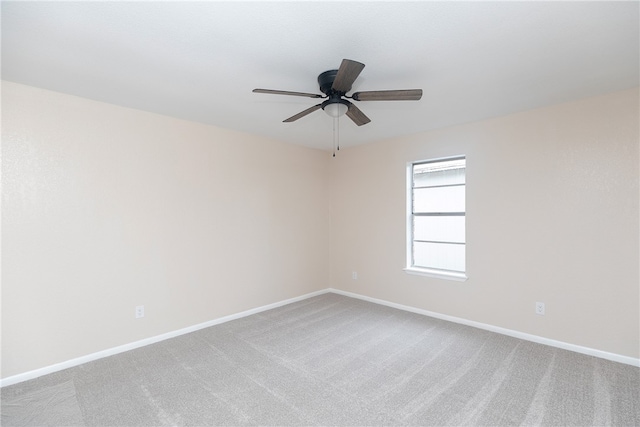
335	135
338	132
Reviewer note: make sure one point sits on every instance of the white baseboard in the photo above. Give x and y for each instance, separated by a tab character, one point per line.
516	334
147	341
152	340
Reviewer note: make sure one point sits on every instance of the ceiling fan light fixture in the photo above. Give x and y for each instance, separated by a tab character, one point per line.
335	108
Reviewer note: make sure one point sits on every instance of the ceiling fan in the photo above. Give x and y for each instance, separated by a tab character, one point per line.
335	84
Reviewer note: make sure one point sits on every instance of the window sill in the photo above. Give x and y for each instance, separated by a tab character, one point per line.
439	274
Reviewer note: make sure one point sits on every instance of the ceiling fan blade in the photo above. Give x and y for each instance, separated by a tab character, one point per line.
347	73
303	113
357	116
285	92
389	95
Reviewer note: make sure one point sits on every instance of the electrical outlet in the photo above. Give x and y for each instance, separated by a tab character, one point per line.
139	311
354	275
540	308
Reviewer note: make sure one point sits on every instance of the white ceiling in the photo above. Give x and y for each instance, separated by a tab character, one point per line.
200	60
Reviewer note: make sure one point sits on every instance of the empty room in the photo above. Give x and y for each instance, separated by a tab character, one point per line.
320	213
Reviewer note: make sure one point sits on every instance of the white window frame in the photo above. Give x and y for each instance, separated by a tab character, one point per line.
410	268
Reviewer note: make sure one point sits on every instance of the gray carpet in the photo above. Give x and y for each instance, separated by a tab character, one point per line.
333	360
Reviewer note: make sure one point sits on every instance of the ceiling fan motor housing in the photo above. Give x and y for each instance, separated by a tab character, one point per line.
325	80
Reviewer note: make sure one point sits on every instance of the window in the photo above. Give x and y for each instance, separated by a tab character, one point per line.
436	218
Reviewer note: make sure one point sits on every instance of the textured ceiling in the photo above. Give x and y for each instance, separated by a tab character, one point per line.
200	60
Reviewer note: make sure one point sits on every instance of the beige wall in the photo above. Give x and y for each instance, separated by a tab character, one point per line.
105	208
552	216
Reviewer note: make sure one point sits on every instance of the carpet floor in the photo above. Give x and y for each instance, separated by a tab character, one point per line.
333	360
